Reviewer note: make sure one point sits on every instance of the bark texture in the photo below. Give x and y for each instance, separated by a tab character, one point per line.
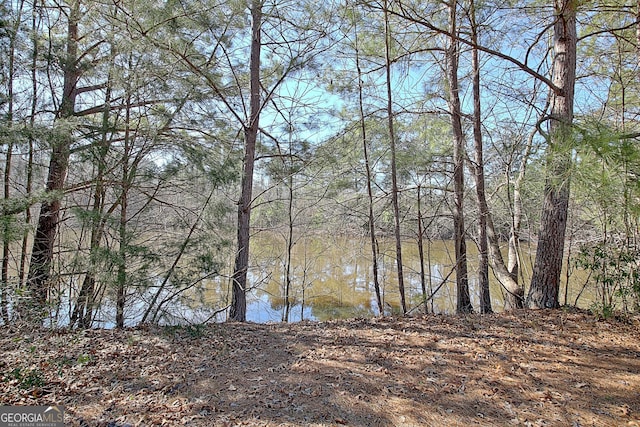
545	282
483	209
238	310
38	279
463	304
394	171
367	164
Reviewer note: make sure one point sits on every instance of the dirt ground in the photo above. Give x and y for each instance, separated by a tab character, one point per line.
529	368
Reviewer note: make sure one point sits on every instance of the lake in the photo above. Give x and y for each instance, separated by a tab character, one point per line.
331	277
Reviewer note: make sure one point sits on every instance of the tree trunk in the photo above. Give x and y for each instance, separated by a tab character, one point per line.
83	311
287	273
367	165
121	284
38	279
514	297
513	260
32	120
4	285
238	310
507	273
638	36
483	268
462	280
545	281
423	279
394	172
4	280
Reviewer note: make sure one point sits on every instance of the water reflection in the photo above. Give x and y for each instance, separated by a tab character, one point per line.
331	278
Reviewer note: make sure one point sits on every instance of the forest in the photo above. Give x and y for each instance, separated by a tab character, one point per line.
302	213
150	150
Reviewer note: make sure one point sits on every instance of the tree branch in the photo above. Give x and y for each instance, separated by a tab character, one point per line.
404	14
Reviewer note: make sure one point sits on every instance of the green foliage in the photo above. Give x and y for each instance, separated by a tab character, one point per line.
26	378
62	363
183	65
425	142
200	159
65	362
84	359
607	144
604	310
607	176
193	331
614	275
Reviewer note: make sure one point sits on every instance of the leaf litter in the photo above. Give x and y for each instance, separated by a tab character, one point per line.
524	368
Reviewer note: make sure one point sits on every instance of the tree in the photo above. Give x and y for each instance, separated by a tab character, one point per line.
129	109
394	172
545	282
213	53
238	309
367	164
478	167
45	235
85	304
10	31
452	57
30	157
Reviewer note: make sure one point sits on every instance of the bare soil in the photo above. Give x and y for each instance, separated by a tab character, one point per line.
528	368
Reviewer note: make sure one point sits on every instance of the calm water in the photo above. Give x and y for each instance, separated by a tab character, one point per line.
332	278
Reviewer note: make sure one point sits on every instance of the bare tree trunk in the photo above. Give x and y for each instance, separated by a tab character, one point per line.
545	281
123	237
4	280
514	298
508	274
367	165
287	273
83	311
513	260
24	254
4	285
121	284
238	310
483	268
638	36
32	119
394	172
7	170
45	235
462	280
423	280
86	297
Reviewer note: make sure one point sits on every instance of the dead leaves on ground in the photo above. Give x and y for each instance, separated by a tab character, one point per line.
530	368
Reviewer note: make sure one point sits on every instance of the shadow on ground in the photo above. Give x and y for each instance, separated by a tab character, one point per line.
526	368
